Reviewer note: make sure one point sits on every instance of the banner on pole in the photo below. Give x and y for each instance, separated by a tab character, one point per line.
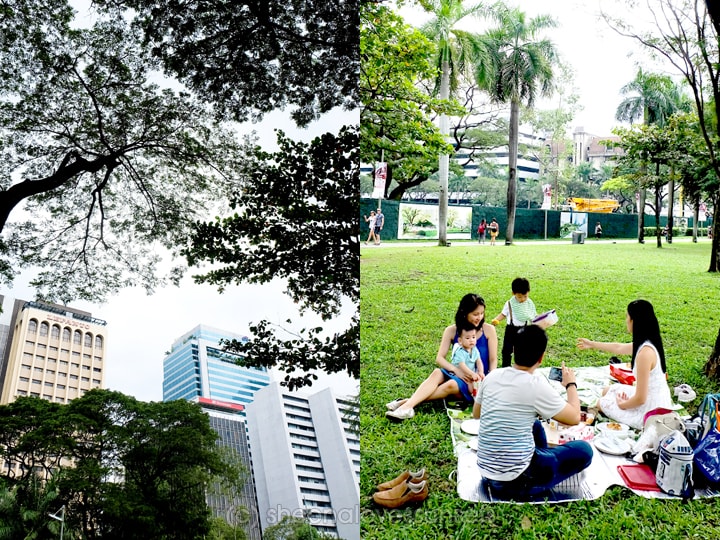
547	197
380	178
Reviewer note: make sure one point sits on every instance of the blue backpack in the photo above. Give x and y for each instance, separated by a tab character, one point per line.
707	452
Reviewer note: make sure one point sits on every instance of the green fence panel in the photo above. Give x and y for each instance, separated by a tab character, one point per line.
529	223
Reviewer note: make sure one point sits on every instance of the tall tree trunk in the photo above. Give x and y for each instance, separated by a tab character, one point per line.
444	163
658	202
712	366
641	216
715	250
512	169
671	203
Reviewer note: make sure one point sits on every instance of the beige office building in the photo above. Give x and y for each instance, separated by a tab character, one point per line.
52	352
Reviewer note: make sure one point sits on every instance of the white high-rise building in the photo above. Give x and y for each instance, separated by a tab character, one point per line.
306	459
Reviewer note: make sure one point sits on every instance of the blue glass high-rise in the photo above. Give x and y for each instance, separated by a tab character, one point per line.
197	367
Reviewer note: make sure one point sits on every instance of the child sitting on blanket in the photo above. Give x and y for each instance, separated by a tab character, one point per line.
513	453
465	355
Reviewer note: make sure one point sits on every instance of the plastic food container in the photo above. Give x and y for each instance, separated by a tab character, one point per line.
613	429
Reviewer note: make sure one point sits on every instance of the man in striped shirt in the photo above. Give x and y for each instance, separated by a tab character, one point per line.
512	453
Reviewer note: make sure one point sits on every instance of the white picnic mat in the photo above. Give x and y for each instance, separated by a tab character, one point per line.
588	485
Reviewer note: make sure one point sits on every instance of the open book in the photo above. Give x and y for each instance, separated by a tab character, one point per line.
546	320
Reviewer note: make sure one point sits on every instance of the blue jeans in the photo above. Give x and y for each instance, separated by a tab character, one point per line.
549	466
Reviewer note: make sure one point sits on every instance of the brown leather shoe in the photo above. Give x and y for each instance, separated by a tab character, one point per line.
402	494
410	476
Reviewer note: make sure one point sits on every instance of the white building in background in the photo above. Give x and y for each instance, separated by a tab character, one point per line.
306	459
528	165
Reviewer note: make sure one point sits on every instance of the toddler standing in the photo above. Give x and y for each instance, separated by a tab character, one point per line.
519	310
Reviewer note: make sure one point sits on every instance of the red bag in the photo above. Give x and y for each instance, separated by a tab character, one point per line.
623	375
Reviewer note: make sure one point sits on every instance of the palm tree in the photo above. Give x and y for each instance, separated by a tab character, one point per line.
654	98
518	69
456	51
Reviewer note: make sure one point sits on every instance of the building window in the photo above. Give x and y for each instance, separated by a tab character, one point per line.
66	335
32	326
88	340
44	328
98	342
77	337
55	332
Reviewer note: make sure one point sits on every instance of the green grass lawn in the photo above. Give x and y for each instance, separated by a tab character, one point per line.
408	296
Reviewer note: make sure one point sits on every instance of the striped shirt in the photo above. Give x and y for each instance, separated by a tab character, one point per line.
522	312
511	400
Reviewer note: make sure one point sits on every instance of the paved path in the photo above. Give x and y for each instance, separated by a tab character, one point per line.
554	241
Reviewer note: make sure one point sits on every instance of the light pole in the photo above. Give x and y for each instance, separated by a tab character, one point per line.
61	519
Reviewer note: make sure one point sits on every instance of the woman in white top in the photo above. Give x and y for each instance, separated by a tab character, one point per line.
371	223
628	404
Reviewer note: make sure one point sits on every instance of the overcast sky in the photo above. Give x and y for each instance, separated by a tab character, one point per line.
142	328
603	61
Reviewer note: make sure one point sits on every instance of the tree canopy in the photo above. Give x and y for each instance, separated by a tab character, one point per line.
396	118
294	217
685	35
253	56
122	468
99	166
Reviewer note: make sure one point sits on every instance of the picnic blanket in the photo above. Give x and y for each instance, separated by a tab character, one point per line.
588	485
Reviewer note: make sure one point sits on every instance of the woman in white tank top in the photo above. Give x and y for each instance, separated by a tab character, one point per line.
628	404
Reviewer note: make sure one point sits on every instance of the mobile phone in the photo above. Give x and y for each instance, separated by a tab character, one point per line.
555	374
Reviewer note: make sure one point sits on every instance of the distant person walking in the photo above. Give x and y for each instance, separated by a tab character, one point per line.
494	228
481	231
371	223
598	231
379	222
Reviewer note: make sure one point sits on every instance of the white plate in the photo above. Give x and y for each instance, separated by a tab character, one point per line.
612	445
471	426
472	443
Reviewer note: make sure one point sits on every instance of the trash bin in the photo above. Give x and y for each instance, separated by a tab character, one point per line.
578	237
